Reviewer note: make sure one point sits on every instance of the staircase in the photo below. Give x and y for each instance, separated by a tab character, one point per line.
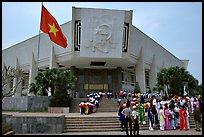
102	123
91	124
105	105
108	105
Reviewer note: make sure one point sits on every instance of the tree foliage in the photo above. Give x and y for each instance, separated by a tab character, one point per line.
56	81
52	80
175	78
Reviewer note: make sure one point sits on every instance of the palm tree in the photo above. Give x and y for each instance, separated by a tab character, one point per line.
163	80
57	82
52	80
174	79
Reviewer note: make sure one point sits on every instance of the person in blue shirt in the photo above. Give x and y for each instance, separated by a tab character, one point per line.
121	118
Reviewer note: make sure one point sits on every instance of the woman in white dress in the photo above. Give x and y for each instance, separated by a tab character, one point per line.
162	118
158	108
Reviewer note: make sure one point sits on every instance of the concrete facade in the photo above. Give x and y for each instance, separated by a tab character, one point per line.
26	103
35	124
96	36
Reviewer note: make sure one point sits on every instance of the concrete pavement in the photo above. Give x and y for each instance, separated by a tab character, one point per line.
143	132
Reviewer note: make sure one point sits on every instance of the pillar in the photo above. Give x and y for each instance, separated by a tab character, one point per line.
140	72
153	73
117	80
32	71
52	59
17	83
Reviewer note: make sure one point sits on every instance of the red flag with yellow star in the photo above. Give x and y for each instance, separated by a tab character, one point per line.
50	26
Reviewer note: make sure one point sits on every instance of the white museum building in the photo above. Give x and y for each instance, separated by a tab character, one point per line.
105	51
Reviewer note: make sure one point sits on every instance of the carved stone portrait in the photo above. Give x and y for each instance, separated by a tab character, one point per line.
102	33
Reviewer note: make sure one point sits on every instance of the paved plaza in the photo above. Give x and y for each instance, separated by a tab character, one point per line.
142	132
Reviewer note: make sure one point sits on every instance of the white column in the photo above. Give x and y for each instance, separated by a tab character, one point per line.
140	72
52	59
17	87
153	73
32	71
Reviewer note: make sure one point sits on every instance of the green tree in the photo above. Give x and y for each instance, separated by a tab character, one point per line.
200	89
175	78
56	81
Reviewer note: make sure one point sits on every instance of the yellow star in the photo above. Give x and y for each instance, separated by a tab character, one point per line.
53	29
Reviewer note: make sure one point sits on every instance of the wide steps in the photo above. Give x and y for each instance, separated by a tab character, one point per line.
91	124
91	130
102	124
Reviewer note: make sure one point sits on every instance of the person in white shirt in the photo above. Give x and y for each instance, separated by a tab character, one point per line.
177	118
162	118
158	108
135	123
128	113
187	118
191	103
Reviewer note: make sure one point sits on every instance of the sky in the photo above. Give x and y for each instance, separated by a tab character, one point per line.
176	26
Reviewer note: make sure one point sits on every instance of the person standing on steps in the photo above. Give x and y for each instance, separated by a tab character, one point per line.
136	124
128	113
141	112
162	118
168	118
121	118
196	114
183	114
150	118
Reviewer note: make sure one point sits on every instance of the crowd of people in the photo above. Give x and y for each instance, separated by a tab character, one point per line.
167	113
91	104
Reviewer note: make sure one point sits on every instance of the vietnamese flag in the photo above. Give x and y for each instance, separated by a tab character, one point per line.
50	26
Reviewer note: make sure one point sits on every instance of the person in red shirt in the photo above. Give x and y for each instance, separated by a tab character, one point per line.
82	107
132	103
183	115
124	105
121	94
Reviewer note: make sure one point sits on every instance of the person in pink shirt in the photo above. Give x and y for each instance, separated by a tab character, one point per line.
196	102
167	121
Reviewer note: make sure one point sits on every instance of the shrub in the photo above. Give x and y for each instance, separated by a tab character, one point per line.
61	99
6	128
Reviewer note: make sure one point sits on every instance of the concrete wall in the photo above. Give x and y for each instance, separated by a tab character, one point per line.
35	124
26	103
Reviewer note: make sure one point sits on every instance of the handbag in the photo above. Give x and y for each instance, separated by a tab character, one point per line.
170	117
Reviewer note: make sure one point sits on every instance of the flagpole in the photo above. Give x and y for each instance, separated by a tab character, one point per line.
38	50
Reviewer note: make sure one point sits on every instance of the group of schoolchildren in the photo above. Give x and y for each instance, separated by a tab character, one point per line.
168	114
129	94
92	102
